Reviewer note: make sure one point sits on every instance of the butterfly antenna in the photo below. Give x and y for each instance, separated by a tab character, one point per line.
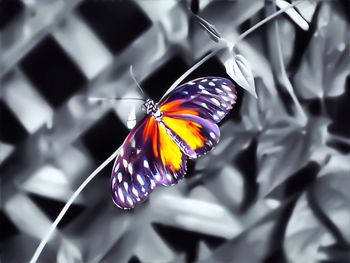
133	77
137	84
99	99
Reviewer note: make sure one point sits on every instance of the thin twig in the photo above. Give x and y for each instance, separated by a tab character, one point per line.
240	38
133	77
193	68
285	79
103	99
267	19
68	204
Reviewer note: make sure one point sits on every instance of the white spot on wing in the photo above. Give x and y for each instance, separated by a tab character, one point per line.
204	80
204	105
135	192
152	184
221	113
211	84
205	92
200	87
116	167
216	102
121	152
233	96
126	186
133	142
120	195
225	87
129	200
157	177
168	176
130	168
125	163
120	177
139	178
212	135
113	181
219	90
145	164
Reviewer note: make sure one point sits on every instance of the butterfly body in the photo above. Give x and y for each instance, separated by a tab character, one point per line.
153	110
182	125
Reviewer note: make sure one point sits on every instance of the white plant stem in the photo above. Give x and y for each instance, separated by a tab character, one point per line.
193	68
224	44
68	204
285	80
265	20
112	157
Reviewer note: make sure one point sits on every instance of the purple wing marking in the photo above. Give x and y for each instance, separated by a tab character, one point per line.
137	172
211	97
209	130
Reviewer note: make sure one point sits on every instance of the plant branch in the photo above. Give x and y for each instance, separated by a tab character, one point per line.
285	80
265	20
68	204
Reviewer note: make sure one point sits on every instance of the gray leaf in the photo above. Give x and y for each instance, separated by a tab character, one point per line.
214	34
325	64
239	70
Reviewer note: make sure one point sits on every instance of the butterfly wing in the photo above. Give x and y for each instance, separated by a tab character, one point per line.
192	110
147	158
154	153
210	98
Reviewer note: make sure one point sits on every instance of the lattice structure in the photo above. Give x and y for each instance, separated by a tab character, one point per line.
242	202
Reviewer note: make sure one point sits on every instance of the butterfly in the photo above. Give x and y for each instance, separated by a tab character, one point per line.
182	125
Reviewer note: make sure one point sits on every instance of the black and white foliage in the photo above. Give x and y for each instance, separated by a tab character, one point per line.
275	188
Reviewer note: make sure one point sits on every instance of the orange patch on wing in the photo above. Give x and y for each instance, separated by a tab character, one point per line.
162	145
150	131
189	131
170	153
174	107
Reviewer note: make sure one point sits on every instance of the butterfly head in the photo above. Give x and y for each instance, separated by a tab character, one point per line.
151	108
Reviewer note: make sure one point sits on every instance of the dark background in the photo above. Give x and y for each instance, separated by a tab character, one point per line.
276	188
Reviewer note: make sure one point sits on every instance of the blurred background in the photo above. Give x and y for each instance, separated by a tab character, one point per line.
276	188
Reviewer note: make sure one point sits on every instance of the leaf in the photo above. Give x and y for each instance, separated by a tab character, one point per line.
284	148
239	70
307	232
304	234
293	14
213	33
307	9
325	63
